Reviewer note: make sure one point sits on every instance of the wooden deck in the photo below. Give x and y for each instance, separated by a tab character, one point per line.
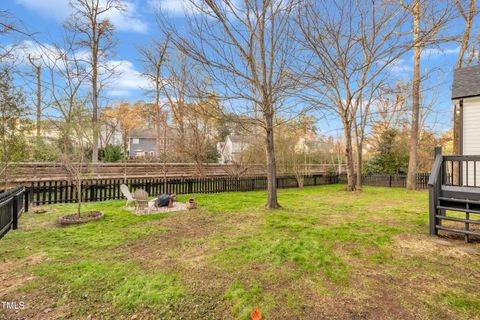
453	187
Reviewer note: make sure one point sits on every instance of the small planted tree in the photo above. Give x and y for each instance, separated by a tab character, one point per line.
77	164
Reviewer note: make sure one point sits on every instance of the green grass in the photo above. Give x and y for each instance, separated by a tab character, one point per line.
325	253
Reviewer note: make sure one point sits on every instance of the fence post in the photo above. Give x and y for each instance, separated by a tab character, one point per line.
26	194
93	192
190	185
147	186
14	213
389	180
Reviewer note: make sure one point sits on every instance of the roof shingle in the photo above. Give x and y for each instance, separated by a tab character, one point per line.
466	82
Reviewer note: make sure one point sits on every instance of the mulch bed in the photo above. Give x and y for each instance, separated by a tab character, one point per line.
84	218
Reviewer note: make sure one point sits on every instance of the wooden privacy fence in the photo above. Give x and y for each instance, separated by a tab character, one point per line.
24	172
49	192
12	204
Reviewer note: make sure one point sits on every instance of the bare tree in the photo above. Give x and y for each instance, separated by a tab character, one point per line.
350	49
468	15
428	20
391	108
194	110
247	51
153	58
9	24
37	66
90	21
75	162
67	75
360	123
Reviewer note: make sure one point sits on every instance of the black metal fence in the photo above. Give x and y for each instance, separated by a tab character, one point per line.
50	192
394	180
12	204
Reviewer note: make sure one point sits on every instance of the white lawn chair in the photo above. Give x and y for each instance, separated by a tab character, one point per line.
127	194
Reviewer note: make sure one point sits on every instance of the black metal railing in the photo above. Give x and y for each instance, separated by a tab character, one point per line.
13	203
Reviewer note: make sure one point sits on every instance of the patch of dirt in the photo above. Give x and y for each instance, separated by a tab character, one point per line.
12	265
10	280
11	283
419	245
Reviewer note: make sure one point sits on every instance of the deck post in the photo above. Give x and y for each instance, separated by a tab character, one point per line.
434	185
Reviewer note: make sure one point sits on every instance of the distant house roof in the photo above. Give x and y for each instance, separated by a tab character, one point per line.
150	133
466	82
143	133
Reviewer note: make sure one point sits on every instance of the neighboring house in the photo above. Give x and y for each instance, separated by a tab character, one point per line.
232	148
143	142
110	135
310	145
466	97
49	131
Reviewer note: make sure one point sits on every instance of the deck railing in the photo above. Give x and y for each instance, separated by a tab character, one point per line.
462	171
454	185
12	204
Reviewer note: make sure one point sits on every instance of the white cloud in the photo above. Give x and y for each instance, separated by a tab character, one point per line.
126	80
189	7
173	7
432	52
60	10
129	20
401	67
20	52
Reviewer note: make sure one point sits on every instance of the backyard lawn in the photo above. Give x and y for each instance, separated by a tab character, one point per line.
327	254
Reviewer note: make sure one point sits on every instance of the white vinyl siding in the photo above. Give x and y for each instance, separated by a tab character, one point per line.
471	126
471	139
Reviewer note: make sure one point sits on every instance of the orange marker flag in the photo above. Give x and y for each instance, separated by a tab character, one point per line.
256	314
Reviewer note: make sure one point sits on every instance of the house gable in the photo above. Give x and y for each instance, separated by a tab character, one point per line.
466	82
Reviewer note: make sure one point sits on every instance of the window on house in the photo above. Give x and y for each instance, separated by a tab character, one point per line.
135	141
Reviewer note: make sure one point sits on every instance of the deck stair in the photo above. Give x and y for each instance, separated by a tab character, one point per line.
454	195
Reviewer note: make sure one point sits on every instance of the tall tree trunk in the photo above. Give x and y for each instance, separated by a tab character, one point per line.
94	106
347	130
272	200
39	101
414	131
359	163
125	144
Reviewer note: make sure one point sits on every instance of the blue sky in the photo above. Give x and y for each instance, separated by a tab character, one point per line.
138	25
